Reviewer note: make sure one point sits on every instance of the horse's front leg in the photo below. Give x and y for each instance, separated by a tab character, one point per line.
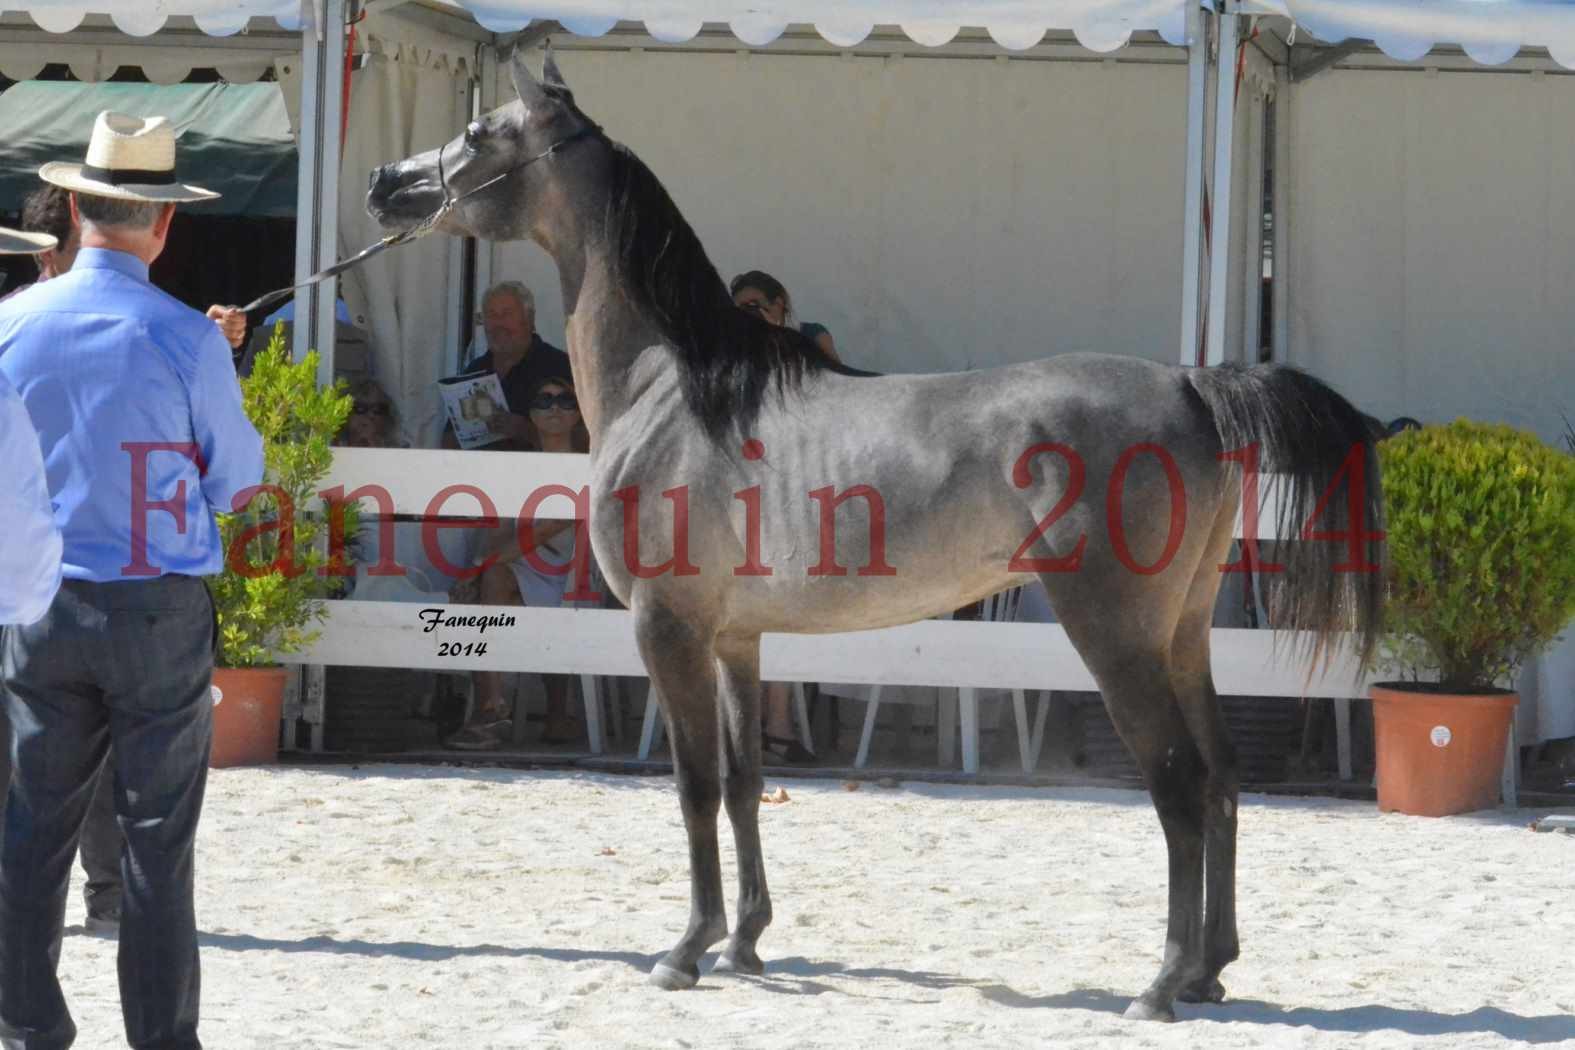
679	660
738	698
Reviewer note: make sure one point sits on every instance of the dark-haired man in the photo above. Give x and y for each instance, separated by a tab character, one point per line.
48	210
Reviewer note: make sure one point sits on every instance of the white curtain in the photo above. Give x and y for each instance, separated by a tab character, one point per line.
399	108
935	215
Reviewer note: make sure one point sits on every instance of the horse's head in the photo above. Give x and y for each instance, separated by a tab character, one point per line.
498	177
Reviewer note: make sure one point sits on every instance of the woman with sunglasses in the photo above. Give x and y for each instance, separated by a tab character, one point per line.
511	579
763	295
371	423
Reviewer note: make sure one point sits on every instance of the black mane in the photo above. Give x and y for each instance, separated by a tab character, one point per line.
731	358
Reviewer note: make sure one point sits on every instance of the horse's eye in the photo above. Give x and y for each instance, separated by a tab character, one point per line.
472	138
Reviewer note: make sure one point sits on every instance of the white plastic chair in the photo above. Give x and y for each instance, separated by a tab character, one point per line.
1004	607
945	700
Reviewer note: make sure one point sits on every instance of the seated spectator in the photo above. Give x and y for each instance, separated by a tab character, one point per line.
372	423
352	348
287	313
553	425
520	357
402	539
761	293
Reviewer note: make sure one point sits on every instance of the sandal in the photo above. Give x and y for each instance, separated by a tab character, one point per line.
481	736
785	749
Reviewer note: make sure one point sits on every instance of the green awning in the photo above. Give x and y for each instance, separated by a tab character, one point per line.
234	138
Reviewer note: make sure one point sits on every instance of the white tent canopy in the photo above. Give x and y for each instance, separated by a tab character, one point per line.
1490	31
144	17
1101	25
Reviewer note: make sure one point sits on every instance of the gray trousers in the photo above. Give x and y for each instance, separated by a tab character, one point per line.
128	663
101	837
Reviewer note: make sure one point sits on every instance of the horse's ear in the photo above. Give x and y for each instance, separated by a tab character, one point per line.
549	71
525	82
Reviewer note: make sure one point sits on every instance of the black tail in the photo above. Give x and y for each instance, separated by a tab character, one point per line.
1306	433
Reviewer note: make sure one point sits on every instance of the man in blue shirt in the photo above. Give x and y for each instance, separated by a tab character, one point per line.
47	210
30	543
143	436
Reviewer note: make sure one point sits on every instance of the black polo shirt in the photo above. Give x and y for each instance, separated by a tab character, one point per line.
544	361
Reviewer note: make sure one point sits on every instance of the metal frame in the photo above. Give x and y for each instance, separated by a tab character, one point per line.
1192	204
1219	226
317	201
1252	277
317	247
1282	214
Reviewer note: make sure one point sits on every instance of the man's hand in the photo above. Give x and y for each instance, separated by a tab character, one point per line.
231	322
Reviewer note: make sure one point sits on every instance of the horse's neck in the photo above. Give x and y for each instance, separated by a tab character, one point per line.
606	336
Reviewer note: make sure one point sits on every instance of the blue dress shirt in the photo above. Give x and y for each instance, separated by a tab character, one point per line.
30	542
139	416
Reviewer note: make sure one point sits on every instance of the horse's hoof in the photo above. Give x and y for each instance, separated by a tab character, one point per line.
1206	991
1142	1011
739	960
671	979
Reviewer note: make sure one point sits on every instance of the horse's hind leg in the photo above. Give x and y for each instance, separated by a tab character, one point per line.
1136	686
1200	707
1220	797
739	699
682	669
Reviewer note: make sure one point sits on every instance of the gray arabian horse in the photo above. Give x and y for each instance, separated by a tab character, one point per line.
722	446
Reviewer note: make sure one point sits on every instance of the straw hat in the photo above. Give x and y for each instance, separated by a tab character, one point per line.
15	242
128	158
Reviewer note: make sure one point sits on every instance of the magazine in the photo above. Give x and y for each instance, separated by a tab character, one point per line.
476	408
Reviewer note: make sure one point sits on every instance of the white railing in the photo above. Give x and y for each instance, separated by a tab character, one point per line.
968	655
948	653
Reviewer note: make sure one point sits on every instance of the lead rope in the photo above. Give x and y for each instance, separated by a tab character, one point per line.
421	229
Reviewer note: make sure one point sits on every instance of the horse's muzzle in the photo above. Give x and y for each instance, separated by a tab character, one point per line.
383	177
381	185
386	203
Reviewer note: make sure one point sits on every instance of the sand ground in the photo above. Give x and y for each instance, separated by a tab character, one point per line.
405	906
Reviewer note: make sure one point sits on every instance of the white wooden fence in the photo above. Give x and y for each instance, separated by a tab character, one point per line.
601	642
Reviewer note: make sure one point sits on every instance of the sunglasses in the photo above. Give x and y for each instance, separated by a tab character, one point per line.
755	306
370	410
567	402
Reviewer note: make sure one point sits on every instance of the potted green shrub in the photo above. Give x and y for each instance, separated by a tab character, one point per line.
1481	562
277	568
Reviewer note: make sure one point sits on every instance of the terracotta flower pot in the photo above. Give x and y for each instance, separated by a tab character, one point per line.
1439	753
248	704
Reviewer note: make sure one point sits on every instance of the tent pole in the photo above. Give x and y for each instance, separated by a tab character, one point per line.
1219	228
1283	191
1258	159
1192	205
485	100
317	201
317	243
455	321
